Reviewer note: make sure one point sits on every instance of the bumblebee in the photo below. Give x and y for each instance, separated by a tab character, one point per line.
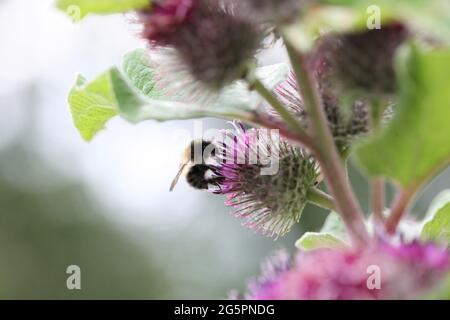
194	165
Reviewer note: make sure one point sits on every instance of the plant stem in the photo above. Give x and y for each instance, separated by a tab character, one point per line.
327	153
399	208
377	184
270	123
321	199
290	120
377	199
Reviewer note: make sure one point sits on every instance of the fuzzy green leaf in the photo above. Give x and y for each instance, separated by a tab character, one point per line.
78	9
136	97
332	235
312	241
235	101
416	144
334	226
137	67
438	229
92	105
437	222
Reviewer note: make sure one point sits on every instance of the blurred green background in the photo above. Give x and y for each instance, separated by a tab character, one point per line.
105	206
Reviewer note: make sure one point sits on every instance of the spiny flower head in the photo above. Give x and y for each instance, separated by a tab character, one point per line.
210	40
406	271
363	61
344	127
265	181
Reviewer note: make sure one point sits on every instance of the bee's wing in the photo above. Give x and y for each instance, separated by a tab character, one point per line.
177	177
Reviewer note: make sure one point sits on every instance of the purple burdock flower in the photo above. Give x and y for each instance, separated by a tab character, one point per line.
265	179
206	42
380	271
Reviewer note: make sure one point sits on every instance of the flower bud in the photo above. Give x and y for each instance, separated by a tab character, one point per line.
212	41
362	61
344	127
163	19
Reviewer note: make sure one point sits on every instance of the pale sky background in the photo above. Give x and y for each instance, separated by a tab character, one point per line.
126	166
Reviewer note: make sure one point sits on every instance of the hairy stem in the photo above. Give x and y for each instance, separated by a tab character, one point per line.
321	199
377	199
327	153
399	209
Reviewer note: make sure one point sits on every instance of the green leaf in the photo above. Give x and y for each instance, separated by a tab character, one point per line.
416	144
136	96
332	235
437	222
438	202
432	17
334	226
438	229
138	68
235	101
92	105
81	8
312	241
